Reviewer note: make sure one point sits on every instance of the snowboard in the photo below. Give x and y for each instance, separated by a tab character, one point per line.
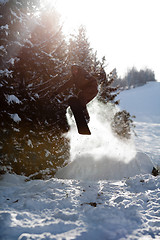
77	110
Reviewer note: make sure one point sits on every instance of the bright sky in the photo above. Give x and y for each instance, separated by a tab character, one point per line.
125	31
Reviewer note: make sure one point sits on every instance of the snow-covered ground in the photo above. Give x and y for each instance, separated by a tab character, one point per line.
144	102
106	192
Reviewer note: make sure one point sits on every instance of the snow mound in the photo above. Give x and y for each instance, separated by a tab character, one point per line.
107	168
86	168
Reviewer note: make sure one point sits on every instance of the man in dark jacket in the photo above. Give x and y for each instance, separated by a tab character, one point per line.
84	85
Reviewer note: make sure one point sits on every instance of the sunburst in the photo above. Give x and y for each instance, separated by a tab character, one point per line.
73	13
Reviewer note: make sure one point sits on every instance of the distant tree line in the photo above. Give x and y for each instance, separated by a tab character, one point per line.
135	78
35	60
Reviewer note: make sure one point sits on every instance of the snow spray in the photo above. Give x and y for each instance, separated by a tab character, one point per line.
102	142
101	155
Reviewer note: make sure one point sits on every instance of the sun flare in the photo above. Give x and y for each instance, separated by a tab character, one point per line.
118	29
73	13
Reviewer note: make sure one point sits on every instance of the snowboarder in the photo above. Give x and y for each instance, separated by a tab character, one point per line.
84	87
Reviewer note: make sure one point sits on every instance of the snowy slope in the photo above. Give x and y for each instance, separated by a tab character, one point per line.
143	102
124	204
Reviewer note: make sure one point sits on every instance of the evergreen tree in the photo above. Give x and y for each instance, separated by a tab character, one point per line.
16	21
122	124
135	78
34	64
79	50
107	93
42	59
82	54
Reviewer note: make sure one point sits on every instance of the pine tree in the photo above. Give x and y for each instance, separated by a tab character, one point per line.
16	21
79	50
82	54
33	65
107	93
122	124
42	58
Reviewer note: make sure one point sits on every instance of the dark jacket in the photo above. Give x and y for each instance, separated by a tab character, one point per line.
85	85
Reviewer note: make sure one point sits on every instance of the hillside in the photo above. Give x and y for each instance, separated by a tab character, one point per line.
107	190
143	102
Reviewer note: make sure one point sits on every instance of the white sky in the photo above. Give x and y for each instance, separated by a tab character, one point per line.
125	31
